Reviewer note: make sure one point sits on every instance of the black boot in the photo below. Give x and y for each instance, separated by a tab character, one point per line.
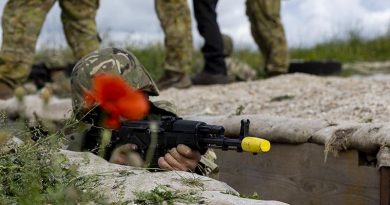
205	78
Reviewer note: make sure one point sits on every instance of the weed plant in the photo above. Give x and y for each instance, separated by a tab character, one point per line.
36	172
163	194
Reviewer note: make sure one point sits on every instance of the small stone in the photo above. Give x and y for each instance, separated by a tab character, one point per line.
20	92
46	94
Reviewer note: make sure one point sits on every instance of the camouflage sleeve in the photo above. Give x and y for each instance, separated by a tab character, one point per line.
207	165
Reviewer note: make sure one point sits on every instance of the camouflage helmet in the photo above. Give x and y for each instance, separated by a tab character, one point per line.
109	60
227	45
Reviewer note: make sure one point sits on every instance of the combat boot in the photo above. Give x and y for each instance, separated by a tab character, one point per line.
205	78
174	79
6	91
270	74
272	70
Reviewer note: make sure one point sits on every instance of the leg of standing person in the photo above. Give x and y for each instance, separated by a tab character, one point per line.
214	71
175	19
21	23
79	22
268	32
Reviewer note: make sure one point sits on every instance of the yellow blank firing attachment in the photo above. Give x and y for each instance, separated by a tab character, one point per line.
255	145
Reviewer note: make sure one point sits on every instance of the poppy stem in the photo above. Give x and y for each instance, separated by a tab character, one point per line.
153	143
105	139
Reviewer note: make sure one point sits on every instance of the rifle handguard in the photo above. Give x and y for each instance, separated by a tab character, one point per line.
255	145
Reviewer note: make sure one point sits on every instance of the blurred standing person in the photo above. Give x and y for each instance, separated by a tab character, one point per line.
175	20
214	71
22	21
268	32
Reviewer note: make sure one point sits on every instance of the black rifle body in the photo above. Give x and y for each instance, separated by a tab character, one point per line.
172	131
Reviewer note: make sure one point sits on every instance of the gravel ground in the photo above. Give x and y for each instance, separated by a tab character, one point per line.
359	99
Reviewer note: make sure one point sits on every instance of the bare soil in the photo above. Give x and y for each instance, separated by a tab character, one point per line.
359	99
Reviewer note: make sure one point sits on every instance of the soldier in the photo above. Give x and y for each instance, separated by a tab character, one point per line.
126	64
175	19
22	22
268	32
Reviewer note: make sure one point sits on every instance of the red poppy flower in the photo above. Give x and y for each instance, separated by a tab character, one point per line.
117	99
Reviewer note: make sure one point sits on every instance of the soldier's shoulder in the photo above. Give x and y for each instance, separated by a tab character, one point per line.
166	106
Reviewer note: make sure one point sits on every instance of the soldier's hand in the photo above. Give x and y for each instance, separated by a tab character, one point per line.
127	155
180	158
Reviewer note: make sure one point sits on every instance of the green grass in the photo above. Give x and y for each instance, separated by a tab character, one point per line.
151	57
354	48
163	194
351	49
247	196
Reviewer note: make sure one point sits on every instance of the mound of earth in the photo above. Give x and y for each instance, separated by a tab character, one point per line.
120	184
359	99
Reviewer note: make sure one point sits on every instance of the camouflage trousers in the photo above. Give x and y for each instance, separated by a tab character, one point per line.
175	19
22	22
268	32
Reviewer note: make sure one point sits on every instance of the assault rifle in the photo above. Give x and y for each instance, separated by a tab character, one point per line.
172	131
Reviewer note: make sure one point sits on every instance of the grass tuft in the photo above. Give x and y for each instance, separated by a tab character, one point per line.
163	194
37	173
